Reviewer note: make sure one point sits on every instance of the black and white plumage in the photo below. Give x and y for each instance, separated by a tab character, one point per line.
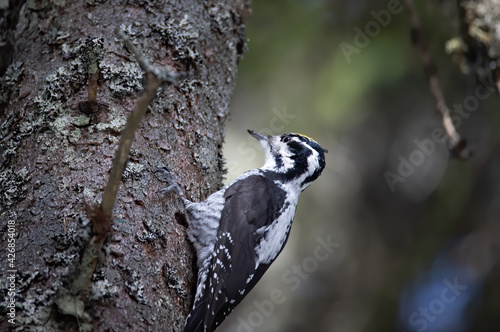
240	230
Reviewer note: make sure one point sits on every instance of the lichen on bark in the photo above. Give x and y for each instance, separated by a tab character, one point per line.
55	157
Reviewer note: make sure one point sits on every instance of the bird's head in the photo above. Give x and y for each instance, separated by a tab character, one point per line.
295	156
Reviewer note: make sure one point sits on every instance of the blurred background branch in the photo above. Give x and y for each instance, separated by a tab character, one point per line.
413	225
457	145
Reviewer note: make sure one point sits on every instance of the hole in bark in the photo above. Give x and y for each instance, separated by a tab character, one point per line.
181	219
90	108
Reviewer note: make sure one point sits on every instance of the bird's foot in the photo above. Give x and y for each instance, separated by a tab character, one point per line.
163	174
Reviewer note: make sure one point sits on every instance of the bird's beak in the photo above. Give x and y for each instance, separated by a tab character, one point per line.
266	144
258	136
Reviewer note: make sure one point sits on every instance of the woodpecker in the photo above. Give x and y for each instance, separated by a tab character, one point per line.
239	230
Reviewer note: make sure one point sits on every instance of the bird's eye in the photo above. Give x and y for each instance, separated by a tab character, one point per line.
285	139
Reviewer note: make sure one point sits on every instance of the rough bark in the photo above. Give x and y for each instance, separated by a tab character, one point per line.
56	152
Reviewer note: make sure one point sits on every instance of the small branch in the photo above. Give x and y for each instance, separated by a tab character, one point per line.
163	74
94	52
127	137
155	77
92	93
458	145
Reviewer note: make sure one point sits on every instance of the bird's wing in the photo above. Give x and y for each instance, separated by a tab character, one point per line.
251	203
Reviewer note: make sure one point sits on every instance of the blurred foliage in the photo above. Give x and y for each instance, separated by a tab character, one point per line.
397	248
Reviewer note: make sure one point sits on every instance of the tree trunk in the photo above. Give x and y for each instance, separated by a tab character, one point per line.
57	145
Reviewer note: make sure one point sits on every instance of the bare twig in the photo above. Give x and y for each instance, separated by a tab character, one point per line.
163	74
155	77
127	137
458	145
94	52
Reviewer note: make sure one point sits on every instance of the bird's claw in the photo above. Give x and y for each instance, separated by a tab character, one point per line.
163	174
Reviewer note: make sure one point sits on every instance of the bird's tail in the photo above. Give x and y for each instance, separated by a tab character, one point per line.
196	317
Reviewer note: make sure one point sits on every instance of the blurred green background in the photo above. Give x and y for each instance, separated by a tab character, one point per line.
412	236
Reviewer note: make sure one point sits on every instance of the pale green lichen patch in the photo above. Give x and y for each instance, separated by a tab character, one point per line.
117	123
89	194
93	53
12	185
10	81
62	83
80	121
74	306
76	134
134	286
51	102
123	80
181	35
133	170
69	155
103	289
60	125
